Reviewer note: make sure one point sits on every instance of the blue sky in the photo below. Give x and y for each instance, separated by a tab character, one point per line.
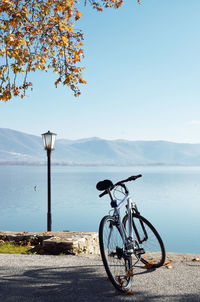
142	66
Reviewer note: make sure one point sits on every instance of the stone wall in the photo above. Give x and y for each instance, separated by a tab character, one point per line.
56	242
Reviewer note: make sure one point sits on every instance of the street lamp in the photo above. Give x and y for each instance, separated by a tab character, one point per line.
49	140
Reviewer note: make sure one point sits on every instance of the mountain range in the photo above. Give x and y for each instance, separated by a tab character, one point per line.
21	148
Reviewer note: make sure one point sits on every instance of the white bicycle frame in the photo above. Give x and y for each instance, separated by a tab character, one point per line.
127	238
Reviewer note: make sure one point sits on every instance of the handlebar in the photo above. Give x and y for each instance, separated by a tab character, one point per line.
131	178
111	186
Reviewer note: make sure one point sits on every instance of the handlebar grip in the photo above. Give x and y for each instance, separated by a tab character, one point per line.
134	177
102	194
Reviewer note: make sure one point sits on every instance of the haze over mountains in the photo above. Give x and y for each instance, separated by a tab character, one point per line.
21	148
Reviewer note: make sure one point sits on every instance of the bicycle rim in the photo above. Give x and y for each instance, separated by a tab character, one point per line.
147	238
117	265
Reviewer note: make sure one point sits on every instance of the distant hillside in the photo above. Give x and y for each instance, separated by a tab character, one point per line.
21	148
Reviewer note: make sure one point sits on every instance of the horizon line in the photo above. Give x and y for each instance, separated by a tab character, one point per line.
108	139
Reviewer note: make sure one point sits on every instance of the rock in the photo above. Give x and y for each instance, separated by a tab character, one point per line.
73	243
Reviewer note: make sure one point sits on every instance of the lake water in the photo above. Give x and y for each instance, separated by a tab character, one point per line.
169	197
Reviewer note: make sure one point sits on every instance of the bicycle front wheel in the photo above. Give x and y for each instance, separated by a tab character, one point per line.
117	264
146	238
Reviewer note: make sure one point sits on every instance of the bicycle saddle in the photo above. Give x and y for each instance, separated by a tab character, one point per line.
104	185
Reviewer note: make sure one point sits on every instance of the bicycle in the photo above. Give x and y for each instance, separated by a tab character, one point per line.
125	242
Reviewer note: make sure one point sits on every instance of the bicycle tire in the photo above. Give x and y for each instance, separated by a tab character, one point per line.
117	266
147	238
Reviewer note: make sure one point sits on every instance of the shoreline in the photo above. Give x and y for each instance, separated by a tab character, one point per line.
84	242
95	165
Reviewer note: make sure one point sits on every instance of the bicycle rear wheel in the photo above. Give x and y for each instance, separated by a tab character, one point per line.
147	238
117	264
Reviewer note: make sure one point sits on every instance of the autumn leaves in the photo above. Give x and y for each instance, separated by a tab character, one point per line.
38	35
41	35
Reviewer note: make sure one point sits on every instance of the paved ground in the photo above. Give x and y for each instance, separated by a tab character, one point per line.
34	278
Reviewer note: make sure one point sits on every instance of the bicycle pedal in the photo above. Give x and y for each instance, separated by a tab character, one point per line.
140	251
119	252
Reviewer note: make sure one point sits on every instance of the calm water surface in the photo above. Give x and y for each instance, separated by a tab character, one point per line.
167	196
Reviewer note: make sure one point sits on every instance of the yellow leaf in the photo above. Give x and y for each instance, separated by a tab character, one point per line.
78	15
70	29
65	40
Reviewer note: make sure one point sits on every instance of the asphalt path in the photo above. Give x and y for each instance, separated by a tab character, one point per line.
35	278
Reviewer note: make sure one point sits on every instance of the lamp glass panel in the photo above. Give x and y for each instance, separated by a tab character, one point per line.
49	140
53	138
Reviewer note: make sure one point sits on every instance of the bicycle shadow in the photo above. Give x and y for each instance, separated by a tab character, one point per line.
71	284
141	269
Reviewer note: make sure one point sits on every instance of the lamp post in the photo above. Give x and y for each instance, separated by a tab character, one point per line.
49	140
